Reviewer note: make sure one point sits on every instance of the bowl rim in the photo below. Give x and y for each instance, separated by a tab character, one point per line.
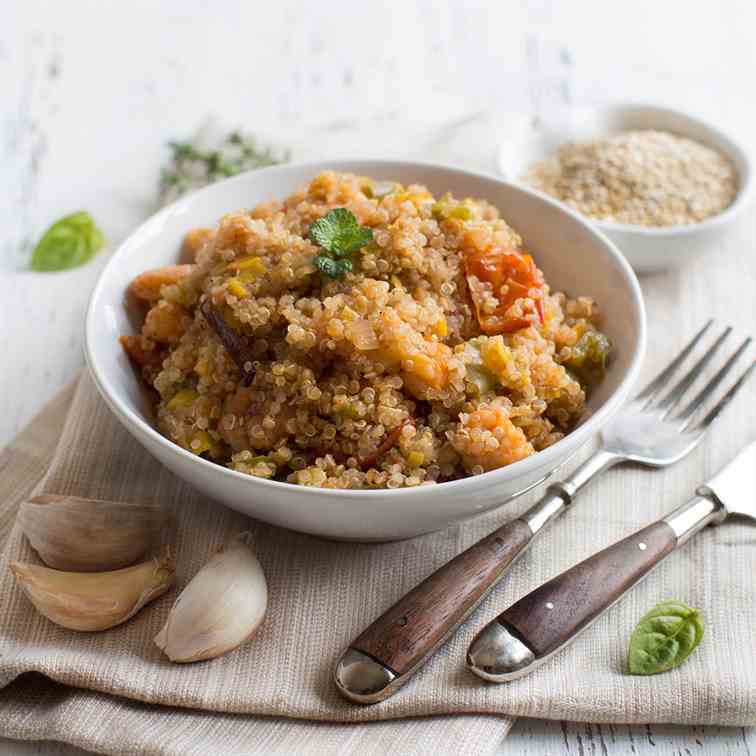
548	458
734	150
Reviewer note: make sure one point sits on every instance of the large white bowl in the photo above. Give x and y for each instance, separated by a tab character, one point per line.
648	249
574	256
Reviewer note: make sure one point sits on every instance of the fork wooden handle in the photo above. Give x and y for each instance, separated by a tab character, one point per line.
385	655
404	634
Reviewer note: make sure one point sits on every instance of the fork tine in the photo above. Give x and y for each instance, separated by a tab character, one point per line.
726	399
705	392
679	389
669	371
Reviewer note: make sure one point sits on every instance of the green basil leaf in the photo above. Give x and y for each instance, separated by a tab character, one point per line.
664	638
68	243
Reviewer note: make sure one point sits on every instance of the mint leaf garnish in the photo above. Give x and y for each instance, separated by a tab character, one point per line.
340	236
68	243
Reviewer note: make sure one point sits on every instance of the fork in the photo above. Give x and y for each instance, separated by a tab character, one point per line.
647	431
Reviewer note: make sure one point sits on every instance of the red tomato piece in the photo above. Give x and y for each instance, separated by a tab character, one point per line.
512	275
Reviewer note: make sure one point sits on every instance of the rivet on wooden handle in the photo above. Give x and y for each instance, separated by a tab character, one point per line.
558	610
420	621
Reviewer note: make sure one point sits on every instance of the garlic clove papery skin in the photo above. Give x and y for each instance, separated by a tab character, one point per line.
89	535
221	607
88	601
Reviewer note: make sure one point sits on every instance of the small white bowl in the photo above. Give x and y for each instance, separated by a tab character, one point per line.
572	254
647	249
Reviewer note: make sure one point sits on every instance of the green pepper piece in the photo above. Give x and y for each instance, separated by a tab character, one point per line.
589	357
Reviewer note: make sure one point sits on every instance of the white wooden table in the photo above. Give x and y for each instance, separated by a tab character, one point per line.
91	92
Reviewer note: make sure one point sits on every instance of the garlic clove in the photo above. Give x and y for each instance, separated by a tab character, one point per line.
89	535
94	600
220	608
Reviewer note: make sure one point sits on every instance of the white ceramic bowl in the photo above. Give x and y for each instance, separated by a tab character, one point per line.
647	249
573	255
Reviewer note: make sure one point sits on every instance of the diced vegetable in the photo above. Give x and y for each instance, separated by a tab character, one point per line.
415	458
348	411
388	443
182	399
236	345
362	335
511	276
429	370
445	209
251	264
202	442
460	212
589	357
496	356
236	287
379	189
477	374
416	198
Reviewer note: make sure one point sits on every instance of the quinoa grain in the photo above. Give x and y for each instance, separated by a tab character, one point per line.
642	178
379	379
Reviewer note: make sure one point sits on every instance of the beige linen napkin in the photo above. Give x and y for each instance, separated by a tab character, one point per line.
33	707
322	593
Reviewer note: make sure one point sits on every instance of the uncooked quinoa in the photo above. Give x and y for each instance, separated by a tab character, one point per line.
642	178
363	334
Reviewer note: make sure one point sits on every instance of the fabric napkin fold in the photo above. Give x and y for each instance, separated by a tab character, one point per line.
34	707
322	593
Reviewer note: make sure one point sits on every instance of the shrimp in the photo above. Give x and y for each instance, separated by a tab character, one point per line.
487	439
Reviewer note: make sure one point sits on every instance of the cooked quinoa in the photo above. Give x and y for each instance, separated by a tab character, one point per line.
442	353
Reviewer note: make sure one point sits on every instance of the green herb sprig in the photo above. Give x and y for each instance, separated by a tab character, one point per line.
339	235
192	167
68	243
664	638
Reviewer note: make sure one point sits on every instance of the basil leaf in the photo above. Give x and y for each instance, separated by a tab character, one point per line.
68	243
664	638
